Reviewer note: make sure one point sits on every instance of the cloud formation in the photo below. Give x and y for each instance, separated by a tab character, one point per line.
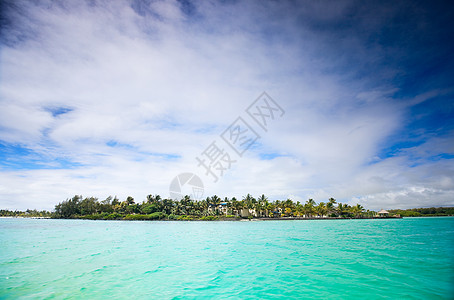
112	98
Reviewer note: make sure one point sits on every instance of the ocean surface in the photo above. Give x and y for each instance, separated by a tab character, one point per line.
340	259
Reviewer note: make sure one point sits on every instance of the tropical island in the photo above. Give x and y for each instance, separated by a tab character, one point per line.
214	208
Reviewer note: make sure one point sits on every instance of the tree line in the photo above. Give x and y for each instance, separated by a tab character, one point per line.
155	207
425	212
33	213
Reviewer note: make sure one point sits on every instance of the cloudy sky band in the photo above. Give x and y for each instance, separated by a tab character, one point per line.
117	98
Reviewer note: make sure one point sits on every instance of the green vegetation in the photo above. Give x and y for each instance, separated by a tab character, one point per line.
424	212
209	209
153	216
26	214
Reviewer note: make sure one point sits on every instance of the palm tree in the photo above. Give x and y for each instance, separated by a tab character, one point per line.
130	200
236	205
167	205
215	201
186	204
262	205
309	207
249	201
262	198
177	208
228	204
204	204
341	209
115	201
288	206
151	199
357	210
330	206
280	206
321	209
271	208
197	208
370	213
277	206
299	209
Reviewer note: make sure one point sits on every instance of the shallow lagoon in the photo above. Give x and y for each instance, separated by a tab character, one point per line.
393	258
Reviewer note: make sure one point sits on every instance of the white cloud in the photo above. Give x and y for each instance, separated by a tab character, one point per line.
161	83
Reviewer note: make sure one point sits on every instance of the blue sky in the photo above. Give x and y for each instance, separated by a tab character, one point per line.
107	98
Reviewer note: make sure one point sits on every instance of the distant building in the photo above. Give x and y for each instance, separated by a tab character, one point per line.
244	213
248	212
383	213
221	208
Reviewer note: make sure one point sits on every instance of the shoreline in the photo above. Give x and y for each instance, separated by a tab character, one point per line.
219	219
235	219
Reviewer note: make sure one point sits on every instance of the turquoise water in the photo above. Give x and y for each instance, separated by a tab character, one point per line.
402	258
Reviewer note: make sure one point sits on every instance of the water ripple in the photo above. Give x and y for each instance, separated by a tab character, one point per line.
174	260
